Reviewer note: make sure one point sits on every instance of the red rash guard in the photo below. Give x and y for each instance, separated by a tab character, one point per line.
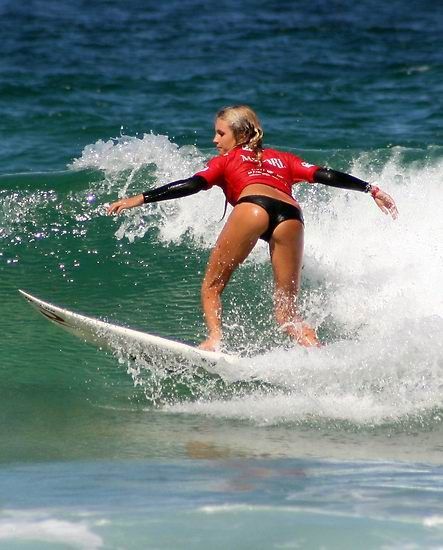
239	168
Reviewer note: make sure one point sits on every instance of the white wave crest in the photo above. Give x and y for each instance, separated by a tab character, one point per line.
369	281
33	526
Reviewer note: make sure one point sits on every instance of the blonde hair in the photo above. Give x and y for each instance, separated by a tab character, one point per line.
245	126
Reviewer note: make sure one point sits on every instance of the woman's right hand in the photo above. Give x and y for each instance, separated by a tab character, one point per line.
123	204
385	202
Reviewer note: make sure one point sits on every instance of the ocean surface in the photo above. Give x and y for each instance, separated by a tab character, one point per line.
334	448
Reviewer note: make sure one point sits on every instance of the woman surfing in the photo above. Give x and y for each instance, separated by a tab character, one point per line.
257	182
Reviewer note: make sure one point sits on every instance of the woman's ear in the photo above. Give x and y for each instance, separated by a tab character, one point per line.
242	139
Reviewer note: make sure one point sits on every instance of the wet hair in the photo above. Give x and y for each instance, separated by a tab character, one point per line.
245	126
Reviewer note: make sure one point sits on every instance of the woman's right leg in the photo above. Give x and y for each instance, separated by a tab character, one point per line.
286	248
238	237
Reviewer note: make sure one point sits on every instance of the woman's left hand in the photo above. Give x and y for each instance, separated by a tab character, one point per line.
123	204
386	203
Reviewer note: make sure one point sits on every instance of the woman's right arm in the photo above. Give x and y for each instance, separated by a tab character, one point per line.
173	190
333	178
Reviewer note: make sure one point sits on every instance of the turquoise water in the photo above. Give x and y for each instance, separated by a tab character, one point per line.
337	448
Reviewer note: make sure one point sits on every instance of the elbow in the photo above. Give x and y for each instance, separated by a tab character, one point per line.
326	176
199	183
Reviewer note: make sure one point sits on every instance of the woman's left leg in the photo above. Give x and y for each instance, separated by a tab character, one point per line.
286	248
242	230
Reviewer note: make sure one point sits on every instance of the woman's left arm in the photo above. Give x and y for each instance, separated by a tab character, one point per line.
173	190
333	178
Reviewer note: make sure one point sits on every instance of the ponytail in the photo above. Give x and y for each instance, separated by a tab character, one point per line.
245	126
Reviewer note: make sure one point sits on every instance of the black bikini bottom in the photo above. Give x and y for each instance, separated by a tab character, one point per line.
278	212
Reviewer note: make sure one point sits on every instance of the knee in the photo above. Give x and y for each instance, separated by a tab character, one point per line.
217	276
212	285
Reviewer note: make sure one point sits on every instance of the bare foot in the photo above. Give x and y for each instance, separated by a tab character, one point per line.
212	343
303	334
308	337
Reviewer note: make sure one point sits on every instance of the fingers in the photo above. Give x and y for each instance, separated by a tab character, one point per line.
116	208
111	209
393	211
130	202
386	204
390	206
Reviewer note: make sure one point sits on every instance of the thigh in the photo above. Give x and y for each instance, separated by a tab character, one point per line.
238	237
286	248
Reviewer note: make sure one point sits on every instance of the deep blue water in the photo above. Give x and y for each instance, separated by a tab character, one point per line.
320	74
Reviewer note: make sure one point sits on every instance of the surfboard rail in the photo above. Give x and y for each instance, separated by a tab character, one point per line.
111	336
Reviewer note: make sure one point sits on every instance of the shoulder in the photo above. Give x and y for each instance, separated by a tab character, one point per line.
219	160
278	152
236	156
271	152
282	156
294	159
214	169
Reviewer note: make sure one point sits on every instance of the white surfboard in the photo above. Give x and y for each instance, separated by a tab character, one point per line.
112	337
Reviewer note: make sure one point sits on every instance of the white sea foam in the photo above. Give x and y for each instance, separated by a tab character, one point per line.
374	284
38	527
433	521
197	218
348	381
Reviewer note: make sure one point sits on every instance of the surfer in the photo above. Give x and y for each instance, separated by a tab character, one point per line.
257	182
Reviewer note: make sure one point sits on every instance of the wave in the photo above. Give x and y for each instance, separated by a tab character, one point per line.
367	382
372	286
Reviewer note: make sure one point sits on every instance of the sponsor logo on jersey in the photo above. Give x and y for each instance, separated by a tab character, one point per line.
307	165
276	162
